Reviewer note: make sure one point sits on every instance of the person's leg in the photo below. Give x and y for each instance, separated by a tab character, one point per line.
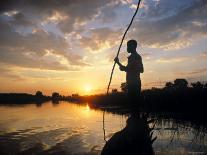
139	98
134	96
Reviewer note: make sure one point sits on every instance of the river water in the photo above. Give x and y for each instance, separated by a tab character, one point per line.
68	128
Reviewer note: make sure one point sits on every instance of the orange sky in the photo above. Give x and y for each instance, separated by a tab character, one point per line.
70	47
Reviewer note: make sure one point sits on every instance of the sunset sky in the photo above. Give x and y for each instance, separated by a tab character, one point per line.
68	46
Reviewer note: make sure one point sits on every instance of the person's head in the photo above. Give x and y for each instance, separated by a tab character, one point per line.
131	46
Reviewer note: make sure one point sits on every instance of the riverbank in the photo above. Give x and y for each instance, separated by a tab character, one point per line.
186	100
157	100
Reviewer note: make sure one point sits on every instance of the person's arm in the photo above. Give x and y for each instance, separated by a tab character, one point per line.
121	67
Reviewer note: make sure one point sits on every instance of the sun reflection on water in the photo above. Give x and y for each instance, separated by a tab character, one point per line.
87	107
87	111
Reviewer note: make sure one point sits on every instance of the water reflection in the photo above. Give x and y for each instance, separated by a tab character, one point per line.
135	138
68	128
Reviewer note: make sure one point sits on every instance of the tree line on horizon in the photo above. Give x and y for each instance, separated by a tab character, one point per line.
174	87
176	84
177	96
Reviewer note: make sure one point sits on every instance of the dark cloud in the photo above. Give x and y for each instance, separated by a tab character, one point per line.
30	49
108	14
77	12
158	9
20	19
174	31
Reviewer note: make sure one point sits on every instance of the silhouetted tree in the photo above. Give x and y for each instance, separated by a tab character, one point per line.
114	90
124	87
55	95
197	85
181	83
169	85
39	94
75	95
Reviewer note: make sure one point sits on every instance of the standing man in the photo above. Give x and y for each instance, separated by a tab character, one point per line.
133	70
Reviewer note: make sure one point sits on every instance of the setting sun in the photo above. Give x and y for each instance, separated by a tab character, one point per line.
87	88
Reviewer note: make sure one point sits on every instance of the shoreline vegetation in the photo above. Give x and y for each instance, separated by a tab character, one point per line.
178	97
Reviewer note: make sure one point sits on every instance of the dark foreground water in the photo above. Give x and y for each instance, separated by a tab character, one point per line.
67	128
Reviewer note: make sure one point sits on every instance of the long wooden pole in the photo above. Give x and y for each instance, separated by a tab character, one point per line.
121	45
112	71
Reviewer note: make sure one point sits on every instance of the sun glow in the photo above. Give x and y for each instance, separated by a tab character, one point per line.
87	88
87	108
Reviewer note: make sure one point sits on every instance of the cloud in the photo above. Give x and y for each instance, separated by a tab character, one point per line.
165	24
75	13
194	72
31	50
21	20
99	39
8	73
108	14
172	60
27	60
175	31
147	55
204	54
26	49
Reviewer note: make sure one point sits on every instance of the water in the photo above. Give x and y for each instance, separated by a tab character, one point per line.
68	128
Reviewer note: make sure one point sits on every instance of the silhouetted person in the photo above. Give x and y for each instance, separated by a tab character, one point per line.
133	70
134	139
